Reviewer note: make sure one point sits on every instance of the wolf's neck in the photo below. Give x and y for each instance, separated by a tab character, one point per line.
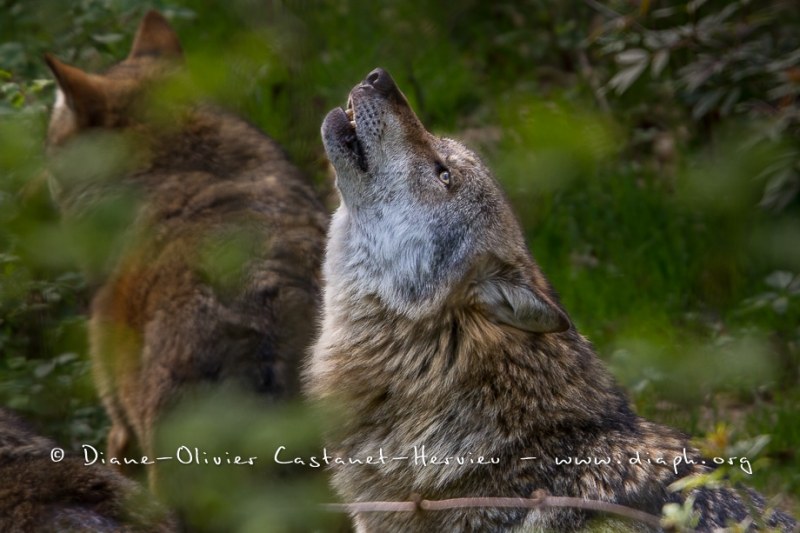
523	382
215	143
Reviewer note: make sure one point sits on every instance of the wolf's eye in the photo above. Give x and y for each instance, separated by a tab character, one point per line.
444	176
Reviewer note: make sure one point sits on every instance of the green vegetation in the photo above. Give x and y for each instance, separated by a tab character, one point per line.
651	148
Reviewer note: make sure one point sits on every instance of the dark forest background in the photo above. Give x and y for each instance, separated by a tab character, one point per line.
651	149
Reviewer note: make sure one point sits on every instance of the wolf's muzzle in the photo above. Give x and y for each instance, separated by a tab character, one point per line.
382	82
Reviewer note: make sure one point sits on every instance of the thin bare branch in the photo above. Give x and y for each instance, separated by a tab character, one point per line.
607	11
524	503
589	74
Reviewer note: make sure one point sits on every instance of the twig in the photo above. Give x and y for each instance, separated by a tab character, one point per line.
603	8
594	4
594	84
539	500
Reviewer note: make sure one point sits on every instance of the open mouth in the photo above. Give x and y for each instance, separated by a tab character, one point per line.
350	136
340	134
350	112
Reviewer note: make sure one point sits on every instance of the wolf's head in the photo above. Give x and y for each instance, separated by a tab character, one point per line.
102	133
109	100
423	226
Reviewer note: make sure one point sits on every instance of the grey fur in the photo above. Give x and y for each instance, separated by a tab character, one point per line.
439	330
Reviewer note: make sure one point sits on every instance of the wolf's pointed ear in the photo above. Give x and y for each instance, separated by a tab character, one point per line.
510	300
82	92
155	37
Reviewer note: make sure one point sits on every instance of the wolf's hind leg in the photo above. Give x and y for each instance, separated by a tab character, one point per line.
119	442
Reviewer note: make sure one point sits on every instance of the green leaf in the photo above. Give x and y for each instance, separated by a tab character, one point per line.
44	369
37	86
108	38
706	103
695	481
627	77
660	60
632	56
780	279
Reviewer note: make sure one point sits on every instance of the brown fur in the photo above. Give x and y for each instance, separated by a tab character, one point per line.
165	321
38	494
439	330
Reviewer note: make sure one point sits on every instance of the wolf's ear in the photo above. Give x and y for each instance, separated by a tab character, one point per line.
83	93
155	37
509	300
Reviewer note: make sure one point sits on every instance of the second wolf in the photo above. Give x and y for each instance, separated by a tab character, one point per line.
216	281
44	491
441	337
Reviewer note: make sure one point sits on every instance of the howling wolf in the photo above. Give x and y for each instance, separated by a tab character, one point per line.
441	337
216	282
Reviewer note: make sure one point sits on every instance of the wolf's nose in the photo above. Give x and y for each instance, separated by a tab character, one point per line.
381	81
